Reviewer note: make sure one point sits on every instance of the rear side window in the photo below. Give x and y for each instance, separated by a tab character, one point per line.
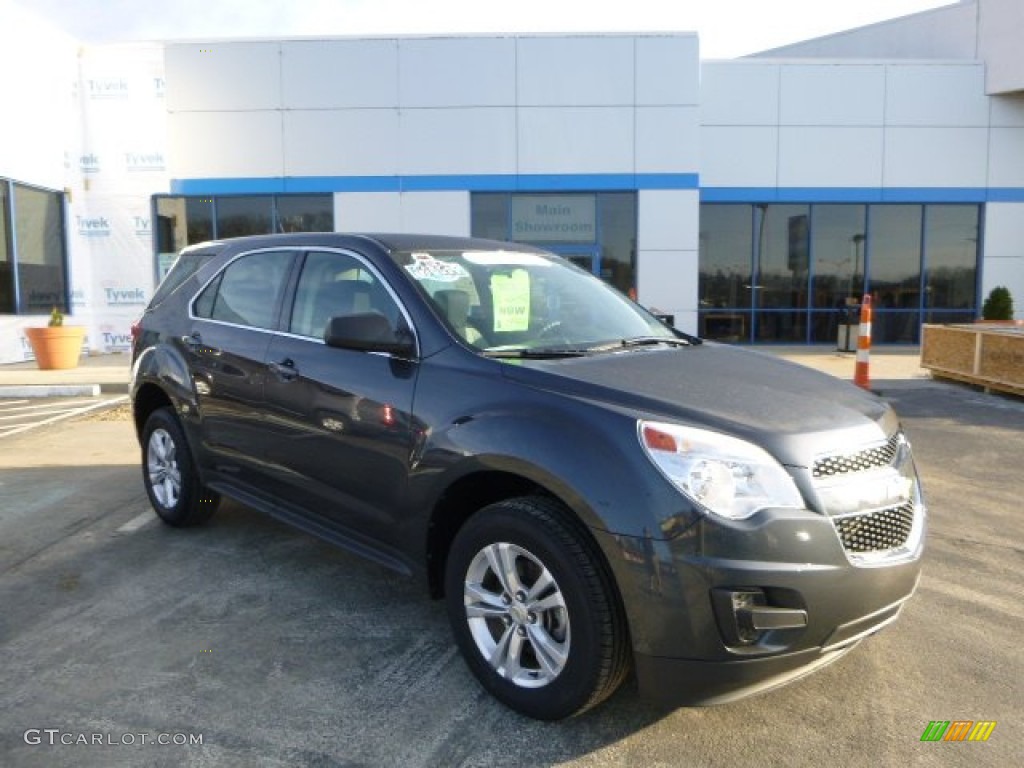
247	292
186	265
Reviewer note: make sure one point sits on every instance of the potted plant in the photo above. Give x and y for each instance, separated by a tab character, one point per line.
998	306
57	346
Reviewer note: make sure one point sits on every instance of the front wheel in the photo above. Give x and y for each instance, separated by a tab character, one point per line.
533	609
169	473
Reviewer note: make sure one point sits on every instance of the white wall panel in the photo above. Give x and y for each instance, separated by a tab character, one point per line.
739	93
667	70
320	74
667	281
830	157
1006	157
447	141
936	95
223	76
832	95
367	212
356	142
436	213
935	157
457	72
1004	231
667	140
738	157
575	71
1007	111
668	220
215	144
575	140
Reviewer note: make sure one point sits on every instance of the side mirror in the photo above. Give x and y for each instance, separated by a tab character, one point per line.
368	332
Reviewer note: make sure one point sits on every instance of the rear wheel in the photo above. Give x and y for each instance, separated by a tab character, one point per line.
169	473
534	611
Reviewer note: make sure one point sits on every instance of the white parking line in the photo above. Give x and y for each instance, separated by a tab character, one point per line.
49	411
5	407
59	417
137	522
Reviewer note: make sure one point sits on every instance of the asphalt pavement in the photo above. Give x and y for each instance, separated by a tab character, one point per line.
270	648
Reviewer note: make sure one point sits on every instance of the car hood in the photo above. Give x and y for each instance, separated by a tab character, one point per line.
791	410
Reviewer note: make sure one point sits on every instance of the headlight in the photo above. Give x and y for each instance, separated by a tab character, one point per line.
724	475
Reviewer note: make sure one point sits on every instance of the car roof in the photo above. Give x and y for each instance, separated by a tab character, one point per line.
387	241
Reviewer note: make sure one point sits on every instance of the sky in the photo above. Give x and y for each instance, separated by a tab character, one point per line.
727	28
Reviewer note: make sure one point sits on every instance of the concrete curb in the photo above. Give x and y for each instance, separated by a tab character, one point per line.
50	390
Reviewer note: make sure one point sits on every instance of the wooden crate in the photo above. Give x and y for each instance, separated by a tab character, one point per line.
989	356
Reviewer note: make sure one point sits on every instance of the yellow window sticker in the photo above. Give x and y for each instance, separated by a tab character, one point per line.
511	296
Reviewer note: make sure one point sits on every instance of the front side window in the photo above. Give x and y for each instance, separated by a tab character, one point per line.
334	284
247	292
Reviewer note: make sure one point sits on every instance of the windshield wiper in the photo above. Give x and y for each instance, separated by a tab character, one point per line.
543	353
684	340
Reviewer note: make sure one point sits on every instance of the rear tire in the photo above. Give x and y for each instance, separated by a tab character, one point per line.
534	610
169	473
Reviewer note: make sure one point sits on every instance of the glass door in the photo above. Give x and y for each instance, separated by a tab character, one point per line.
586	257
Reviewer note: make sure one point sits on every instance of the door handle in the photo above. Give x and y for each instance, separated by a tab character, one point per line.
285	370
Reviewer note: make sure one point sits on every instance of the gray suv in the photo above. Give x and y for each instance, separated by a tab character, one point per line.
592	492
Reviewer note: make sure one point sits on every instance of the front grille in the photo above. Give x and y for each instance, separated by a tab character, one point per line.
877	531
859	461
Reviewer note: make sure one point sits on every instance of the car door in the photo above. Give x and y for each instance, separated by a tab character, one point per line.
340	421
231	325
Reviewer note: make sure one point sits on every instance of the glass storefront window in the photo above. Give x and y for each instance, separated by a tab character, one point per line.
838	246
814	263
182	221
951	261
489	215
894	271
305	213
617	227
6	260
39	250
241	216
199	219
726	251
783	266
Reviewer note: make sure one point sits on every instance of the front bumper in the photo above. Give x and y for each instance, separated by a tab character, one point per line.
689	640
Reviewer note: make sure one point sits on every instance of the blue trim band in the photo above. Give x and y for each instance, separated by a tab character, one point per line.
862	194
589	182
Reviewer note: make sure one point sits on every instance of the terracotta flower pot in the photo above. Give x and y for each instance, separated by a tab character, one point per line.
56	347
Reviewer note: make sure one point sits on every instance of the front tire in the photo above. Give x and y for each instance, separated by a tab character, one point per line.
169	473
534	611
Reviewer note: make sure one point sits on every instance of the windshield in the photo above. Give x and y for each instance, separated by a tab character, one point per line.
504	301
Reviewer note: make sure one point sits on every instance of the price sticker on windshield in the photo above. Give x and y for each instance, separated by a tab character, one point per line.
426	267
511	298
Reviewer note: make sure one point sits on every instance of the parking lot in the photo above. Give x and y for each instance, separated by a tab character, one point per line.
268	647
19	415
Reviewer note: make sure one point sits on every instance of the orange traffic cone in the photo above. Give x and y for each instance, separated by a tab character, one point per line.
861	374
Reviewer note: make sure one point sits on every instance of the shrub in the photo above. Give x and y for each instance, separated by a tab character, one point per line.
998	305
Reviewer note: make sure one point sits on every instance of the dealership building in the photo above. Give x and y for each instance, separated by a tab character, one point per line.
754	199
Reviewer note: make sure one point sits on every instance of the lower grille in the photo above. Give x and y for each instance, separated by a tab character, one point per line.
876	531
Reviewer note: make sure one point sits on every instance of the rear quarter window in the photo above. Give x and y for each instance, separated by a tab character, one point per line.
186	265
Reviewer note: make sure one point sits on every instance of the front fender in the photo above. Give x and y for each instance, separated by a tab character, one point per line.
587	457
